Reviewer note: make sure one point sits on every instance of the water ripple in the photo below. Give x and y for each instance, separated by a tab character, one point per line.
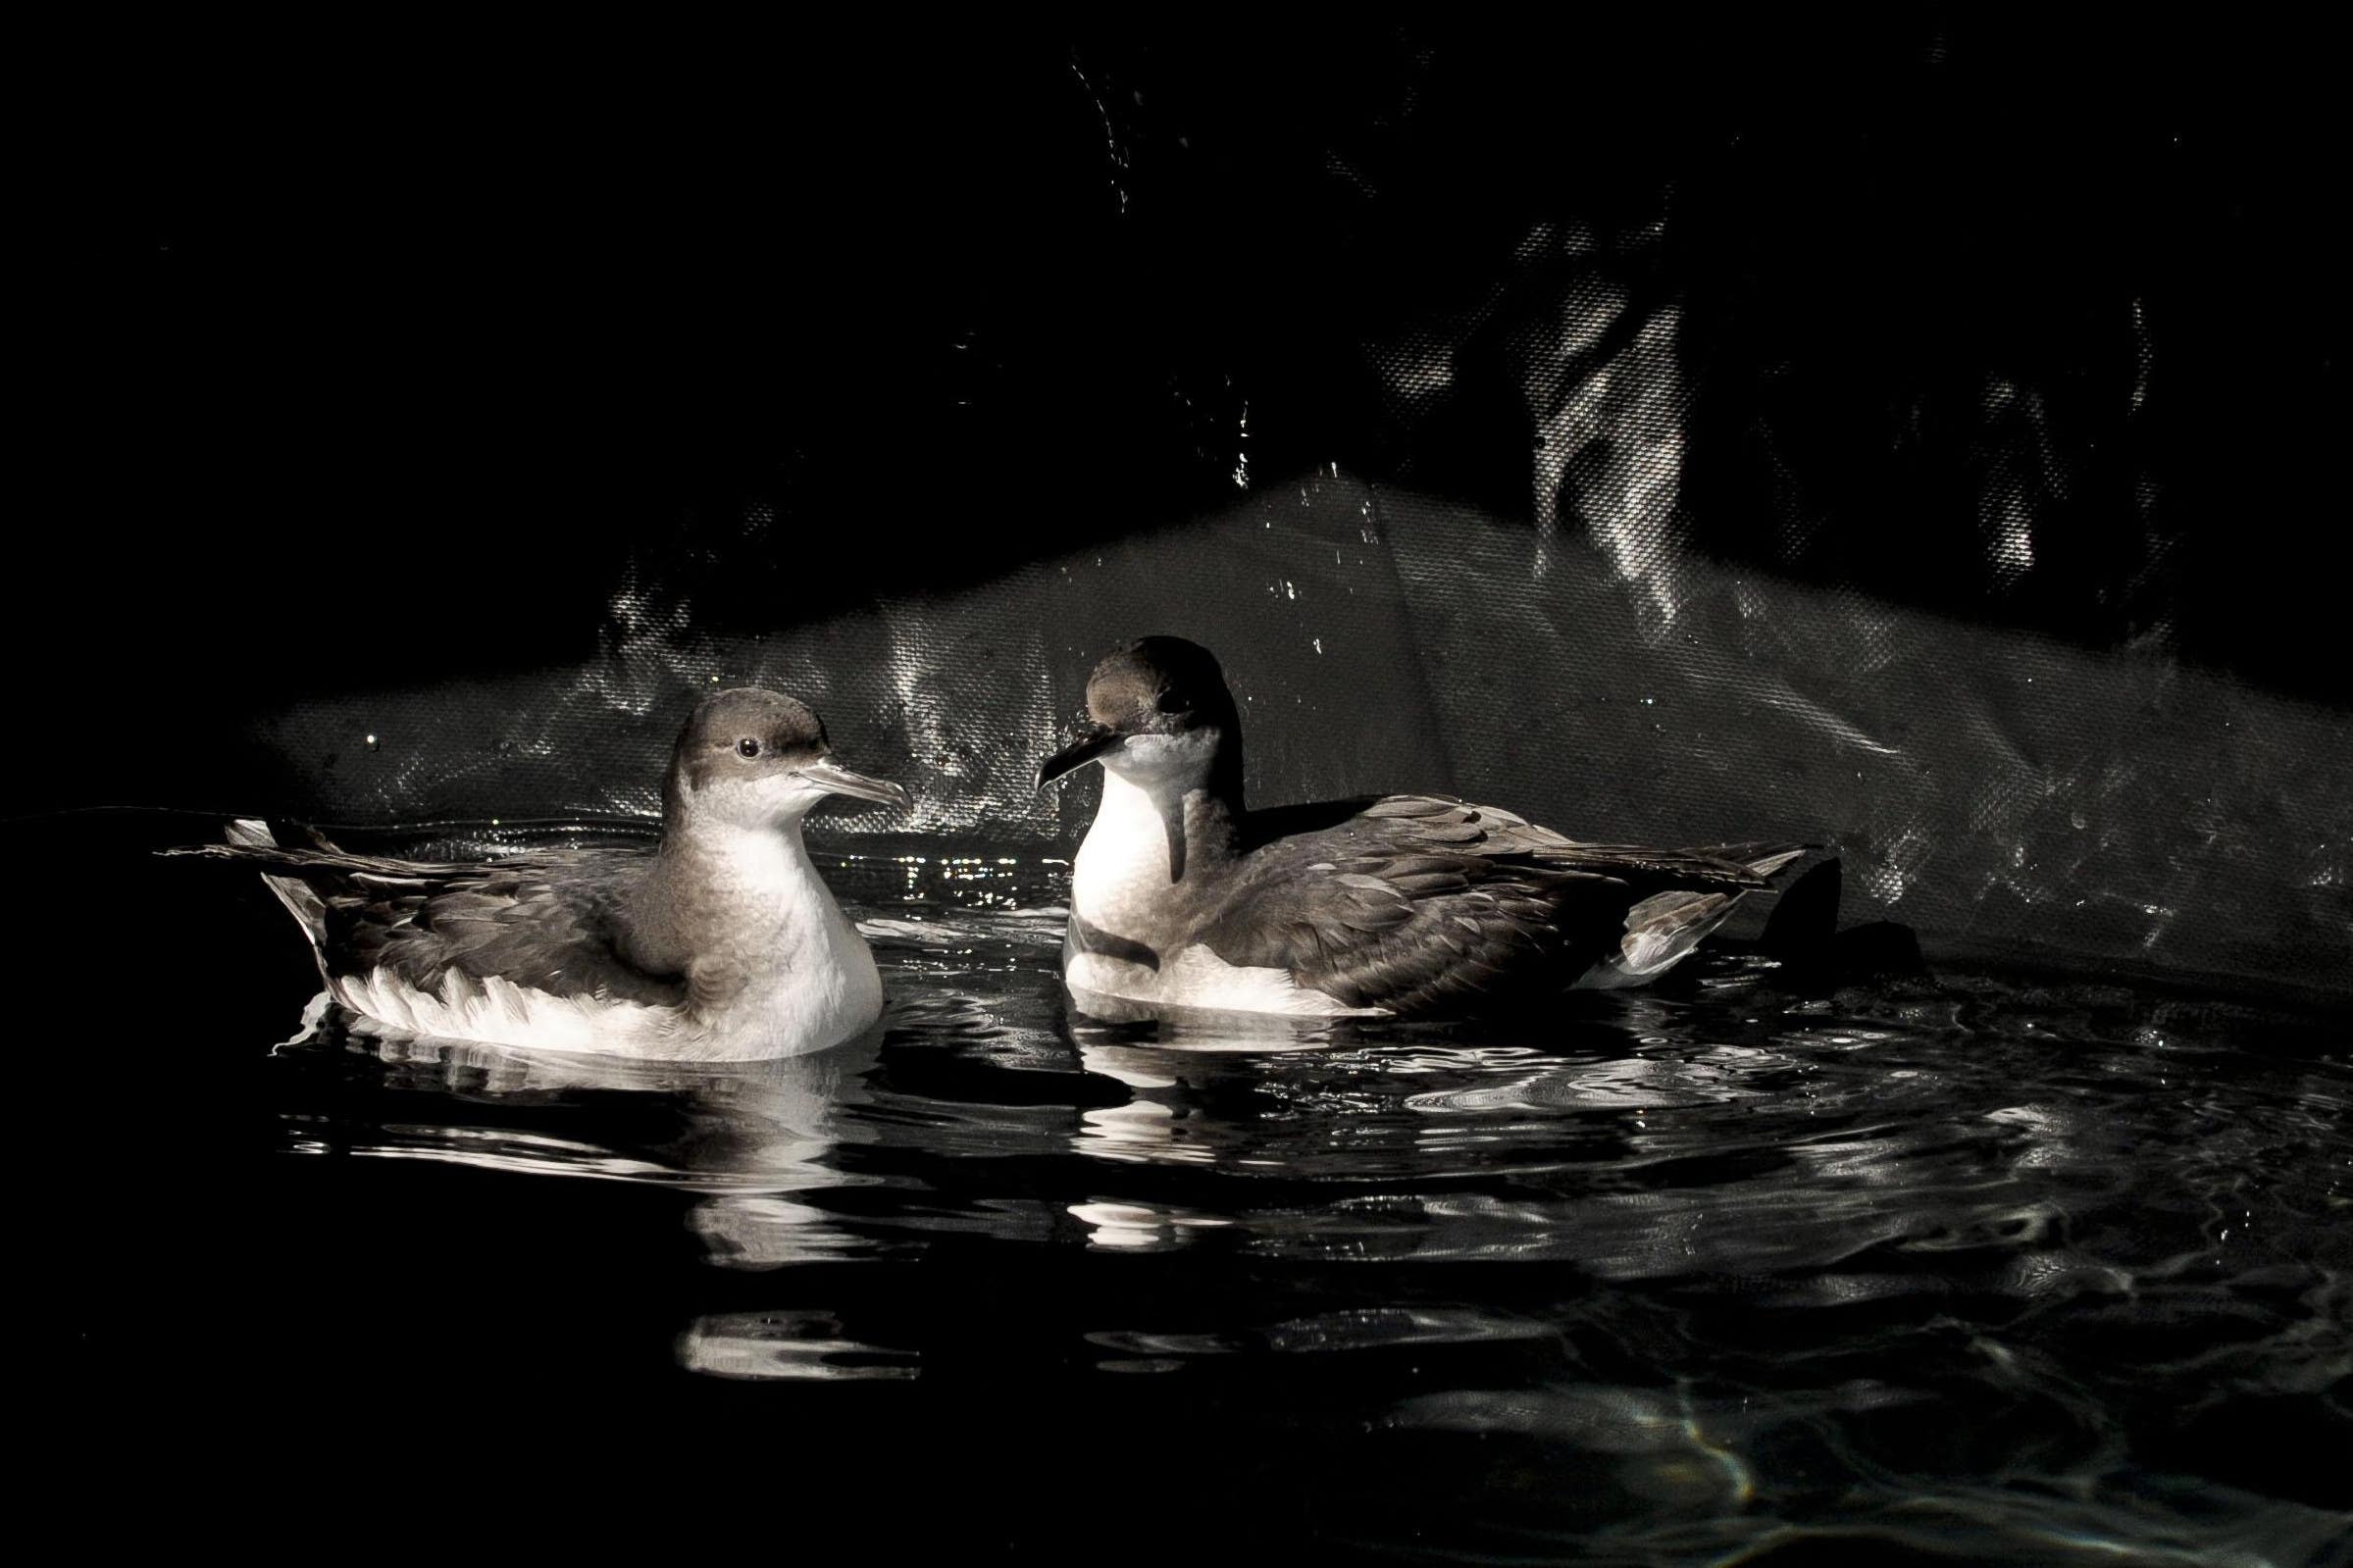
1999	1269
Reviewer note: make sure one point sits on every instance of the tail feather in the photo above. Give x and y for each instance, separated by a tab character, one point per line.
1661	929
1762	858
250	838
326	863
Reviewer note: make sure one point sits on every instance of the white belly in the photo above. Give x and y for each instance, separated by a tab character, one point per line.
1197	979
498	1012
760	1024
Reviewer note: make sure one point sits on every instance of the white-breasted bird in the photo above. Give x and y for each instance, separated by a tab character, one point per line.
1182	898
721	944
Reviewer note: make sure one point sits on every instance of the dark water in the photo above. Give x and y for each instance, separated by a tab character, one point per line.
1974	1267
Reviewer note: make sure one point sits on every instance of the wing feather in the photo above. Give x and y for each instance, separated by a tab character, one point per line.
1416	902
547	922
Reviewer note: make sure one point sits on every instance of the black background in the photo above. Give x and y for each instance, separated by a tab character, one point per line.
386	350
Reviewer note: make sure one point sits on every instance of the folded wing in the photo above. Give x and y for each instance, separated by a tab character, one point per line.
545	921
1420	904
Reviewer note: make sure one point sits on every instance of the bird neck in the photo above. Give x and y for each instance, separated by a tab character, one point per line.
772	964
717	888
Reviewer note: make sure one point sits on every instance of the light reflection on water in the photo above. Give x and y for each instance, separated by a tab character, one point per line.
1994	1267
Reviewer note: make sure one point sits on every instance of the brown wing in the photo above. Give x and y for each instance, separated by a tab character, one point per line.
1420	904
543	920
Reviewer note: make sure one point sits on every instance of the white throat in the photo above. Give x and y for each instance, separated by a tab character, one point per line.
1123	870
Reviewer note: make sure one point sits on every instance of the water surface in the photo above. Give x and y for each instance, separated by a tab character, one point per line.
1978	1266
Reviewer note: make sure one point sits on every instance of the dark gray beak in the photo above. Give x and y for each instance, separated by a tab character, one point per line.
1091	744
829	774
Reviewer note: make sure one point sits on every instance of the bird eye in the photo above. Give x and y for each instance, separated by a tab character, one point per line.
747	748
1174	702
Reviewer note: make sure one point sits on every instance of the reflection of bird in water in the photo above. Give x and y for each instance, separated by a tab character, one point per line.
723	944
754	1139
757	1141
1391	905
1145	1130
737	1128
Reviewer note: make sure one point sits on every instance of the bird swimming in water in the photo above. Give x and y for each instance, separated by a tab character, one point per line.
721	944
1388	905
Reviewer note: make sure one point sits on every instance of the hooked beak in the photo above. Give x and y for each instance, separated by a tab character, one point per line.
1093	742
834	778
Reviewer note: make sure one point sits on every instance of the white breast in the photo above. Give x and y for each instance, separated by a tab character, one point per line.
1120	881
830	994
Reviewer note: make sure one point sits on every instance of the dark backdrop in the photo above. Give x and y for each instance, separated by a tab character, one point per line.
1915	434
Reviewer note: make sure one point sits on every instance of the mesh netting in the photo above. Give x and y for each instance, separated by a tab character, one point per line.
1897	438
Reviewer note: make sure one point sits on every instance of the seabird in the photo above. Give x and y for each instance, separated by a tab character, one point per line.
721	944
1387	905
